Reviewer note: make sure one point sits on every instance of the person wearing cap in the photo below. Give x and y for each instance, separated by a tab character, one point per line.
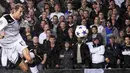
97	51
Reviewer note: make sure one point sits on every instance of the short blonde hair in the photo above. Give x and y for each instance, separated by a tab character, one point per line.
17	6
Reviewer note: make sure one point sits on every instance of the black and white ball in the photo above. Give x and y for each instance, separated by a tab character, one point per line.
81	31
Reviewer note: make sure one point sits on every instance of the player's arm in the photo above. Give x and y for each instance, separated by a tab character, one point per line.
3	24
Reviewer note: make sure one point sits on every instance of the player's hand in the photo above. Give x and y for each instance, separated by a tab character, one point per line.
2	34
107	60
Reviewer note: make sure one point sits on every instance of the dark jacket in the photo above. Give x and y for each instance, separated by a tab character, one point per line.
85	54
66	58
126	58
52	54
113	53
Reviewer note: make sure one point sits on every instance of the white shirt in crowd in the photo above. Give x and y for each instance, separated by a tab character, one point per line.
56	13
79	59
42	37
97	53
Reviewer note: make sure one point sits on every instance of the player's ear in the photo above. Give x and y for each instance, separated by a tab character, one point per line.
13	11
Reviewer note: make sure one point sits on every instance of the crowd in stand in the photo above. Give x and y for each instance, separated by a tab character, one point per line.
48	27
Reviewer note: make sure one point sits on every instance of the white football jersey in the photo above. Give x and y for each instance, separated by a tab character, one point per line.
11	28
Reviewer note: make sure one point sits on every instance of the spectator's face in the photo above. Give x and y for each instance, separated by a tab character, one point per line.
79	40
127	40
46	27
43	23
111	3
18	13
94	30
30	4
69	6
98	8
62	18
128	8
94	6
112	40
55	20
128	30
84	3
127	22
48	33
96	20
70	31
121	33
114	11
96	41
44	15
81	12
108	24
83	22
46	6
35	40
52	40
62	25
101	15
67	44
70	19
57	8
27	29
86	14
113	17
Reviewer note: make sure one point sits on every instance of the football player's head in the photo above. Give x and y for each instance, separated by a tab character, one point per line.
17	11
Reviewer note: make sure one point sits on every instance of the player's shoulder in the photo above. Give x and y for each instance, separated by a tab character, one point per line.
8	18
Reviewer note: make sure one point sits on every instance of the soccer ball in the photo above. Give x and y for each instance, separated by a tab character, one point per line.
81	31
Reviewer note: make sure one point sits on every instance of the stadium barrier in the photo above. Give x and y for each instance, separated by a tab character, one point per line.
71	71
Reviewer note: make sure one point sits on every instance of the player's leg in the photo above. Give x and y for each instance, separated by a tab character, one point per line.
26	54
23	66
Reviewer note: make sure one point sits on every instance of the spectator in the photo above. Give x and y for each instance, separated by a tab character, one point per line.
113	54
82	57
42	36
126	52
71	23
102	19
70	10
71	37
66	57
62	18
84	6
95	34
40	55
101	29
120	38
52	53
110	30
57	12
62	32
55	24
97	51
28	35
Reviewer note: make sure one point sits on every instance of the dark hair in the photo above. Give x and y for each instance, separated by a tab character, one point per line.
70	16
52	36
94	27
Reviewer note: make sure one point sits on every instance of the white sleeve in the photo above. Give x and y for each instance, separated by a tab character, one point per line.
3	23
102	50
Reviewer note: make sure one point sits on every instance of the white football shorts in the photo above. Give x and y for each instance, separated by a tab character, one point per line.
12	53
